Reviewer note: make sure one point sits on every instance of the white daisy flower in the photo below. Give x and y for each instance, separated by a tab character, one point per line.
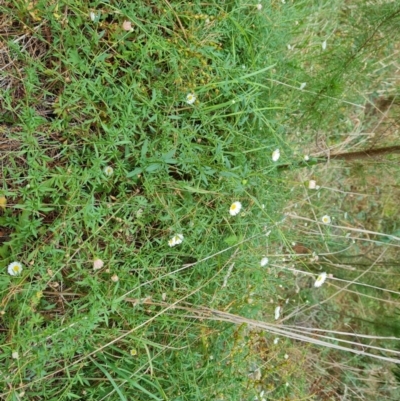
190	98
127	26
312	184
277	312
15	355
235	208
264	262
306	158
276	340
14	268
178	239
320	280
175	240
326	219
303	85
259	7
97	264
108	171
276	154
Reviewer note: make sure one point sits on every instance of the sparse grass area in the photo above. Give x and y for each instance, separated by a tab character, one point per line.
106	161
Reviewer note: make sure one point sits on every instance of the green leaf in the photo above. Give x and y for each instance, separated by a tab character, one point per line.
232	240
135	172
153	167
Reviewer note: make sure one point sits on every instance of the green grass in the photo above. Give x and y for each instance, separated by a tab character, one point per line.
80	95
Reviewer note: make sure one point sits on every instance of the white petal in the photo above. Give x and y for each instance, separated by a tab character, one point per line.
320	280
178	239
276	154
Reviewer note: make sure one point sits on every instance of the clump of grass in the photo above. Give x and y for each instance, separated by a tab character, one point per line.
110	161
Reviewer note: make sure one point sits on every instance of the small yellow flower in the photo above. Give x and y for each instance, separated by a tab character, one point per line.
3	202
14	268
235	208
133	352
